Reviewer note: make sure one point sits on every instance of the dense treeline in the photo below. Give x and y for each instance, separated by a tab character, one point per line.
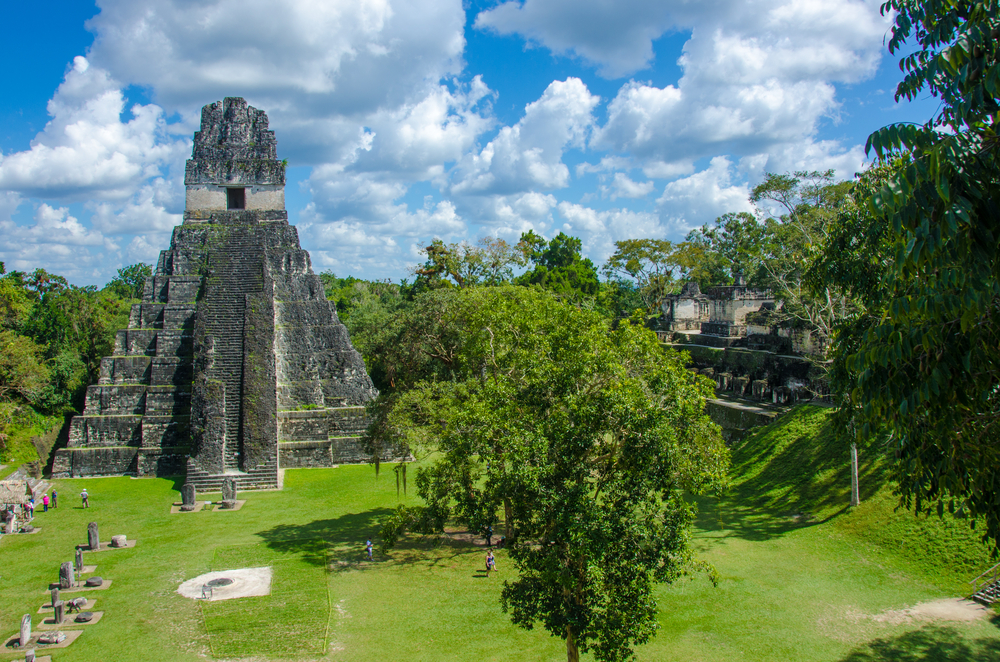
52	338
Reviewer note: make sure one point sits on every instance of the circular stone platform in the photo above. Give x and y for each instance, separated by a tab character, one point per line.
244	583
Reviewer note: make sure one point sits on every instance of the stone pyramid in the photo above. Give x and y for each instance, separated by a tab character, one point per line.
234	363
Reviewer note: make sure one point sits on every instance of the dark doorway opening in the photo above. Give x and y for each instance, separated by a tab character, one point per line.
235	198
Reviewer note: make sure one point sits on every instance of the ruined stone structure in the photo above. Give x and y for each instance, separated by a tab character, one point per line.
735	336
234	363
718	316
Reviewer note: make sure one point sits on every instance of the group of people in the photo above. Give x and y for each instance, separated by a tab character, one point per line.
491	562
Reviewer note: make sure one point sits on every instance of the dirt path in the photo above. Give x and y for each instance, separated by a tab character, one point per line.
950	609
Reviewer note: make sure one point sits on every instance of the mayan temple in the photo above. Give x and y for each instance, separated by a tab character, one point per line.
234	363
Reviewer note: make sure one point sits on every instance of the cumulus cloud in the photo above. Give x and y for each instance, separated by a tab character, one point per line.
373	94
756	76
617	37
320	68
529	154
86	151
623	187
700	198
56	239
600	229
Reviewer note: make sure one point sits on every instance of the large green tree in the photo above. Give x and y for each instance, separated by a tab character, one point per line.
558	266
927	367
583	438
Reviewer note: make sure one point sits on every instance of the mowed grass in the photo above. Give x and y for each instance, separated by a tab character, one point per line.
801	577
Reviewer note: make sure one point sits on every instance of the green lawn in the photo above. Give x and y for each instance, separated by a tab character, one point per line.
801	579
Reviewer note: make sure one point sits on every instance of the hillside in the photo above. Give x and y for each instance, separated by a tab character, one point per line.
798	467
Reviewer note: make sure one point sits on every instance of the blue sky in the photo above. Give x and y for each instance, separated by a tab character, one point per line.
403	122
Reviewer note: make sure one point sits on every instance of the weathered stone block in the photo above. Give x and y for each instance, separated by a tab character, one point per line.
66	576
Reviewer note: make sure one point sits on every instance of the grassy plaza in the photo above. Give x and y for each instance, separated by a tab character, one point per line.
800	577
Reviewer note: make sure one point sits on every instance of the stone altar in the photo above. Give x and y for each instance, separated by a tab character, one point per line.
234	362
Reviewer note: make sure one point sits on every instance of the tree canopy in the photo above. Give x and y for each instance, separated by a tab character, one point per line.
584	437
925	365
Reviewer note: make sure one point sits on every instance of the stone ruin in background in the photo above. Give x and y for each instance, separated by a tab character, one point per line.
234	363
736	337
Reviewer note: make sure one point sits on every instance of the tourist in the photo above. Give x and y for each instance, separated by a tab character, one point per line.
85	497
489	535
491	563
29	509
368	548
45	503
55	496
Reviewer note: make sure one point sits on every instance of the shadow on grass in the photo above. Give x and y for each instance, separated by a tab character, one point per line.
789	475
325	538
750	522
928	644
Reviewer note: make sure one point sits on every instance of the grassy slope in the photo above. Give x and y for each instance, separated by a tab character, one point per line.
792	587
804	578
799	467
19	447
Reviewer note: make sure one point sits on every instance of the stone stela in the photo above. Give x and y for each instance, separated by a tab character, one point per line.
66	578
234	363
25	634
229	493
188	496
58	609
93	537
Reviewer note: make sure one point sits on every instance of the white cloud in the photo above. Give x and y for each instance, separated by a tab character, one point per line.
370	93
600	229
86	151
616	36
623	187
529	154
320	68
56	240
702	197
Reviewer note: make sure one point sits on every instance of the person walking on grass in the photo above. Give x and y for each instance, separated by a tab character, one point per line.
85	497
491	563
368	549
45	503
55	496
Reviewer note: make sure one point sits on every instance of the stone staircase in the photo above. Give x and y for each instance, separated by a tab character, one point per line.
237	271
986	587
262	477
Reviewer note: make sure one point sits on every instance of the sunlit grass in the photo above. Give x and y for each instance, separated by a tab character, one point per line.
801	577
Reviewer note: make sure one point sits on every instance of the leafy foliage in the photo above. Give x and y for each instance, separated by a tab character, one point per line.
926	367
558	266
490	261
53	336
129	282
585	438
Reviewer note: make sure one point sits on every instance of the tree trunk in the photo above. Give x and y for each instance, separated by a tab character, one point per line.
855	498
572	652
506	520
